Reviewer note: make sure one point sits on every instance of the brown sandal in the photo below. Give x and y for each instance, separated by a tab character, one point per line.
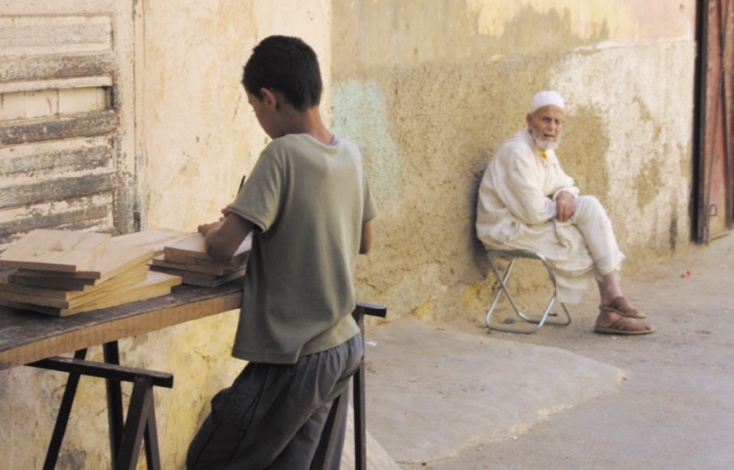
626	326
621	306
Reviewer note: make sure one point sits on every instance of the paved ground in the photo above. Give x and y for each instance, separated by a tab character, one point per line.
453	397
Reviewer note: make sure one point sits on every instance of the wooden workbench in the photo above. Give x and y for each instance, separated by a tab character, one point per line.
27	337
30	338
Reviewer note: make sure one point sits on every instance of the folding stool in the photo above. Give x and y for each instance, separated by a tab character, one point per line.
512	255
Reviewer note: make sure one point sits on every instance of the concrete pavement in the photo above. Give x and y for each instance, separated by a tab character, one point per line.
453	397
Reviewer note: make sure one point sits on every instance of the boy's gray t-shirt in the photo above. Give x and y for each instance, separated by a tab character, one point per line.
308	202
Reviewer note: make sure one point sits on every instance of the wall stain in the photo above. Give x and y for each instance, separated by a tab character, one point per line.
539	33
647	183
673	234
647	116
582	152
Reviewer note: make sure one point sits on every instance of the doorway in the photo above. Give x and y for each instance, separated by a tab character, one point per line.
713	168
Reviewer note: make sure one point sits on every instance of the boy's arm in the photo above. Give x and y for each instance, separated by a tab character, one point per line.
224	237
365	243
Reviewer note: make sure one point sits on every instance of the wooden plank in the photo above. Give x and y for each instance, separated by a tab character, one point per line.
201	279
27	336
188	275
58	189
31	278
57	66
182	259
155	239
113	260
193	248
119	264
59	84
44	7
154	285
26	34
51	221
71	284
76	158
57	281
57	128
92	225
213	268
116	257
59	298
31	34
84	99
54	250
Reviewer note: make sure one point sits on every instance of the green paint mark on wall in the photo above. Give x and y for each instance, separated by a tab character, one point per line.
361	115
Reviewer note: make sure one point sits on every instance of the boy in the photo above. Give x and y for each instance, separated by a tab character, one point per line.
309	208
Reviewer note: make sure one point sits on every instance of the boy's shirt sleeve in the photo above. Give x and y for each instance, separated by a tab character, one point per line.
259	198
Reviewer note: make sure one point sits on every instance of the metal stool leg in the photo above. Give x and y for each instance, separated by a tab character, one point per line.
323	460
502	278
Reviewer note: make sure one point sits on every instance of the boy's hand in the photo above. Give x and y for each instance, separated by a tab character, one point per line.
204	229
224	237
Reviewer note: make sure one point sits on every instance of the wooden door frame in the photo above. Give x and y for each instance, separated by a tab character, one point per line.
701	210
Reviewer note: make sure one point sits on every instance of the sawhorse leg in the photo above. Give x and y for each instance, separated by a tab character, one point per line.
140	423
114	401
67	401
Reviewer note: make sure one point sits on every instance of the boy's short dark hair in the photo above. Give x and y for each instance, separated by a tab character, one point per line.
288	65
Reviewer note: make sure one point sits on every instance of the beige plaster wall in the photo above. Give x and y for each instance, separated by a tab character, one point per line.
195	138
430	89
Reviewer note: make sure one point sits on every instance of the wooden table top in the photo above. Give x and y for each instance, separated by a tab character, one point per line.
27	336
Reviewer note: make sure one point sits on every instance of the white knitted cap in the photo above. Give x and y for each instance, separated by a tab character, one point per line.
546	98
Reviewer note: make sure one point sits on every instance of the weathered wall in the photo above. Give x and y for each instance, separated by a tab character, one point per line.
430	89
195	137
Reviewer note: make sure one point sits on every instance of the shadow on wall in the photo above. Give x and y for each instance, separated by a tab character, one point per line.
476	248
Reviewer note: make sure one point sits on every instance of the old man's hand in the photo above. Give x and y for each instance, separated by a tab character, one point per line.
565	206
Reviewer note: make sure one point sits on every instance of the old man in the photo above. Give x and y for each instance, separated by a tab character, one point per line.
526	201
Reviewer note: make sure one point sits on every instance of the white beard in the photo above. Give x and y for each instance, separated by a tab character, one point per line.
544	144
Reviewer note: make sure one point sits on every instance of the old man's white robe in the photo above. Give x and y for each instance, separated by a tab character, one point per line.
516	209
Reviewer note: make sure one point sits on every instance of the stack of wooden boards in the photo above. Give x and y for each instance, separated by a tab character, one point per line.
62	273
187	258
